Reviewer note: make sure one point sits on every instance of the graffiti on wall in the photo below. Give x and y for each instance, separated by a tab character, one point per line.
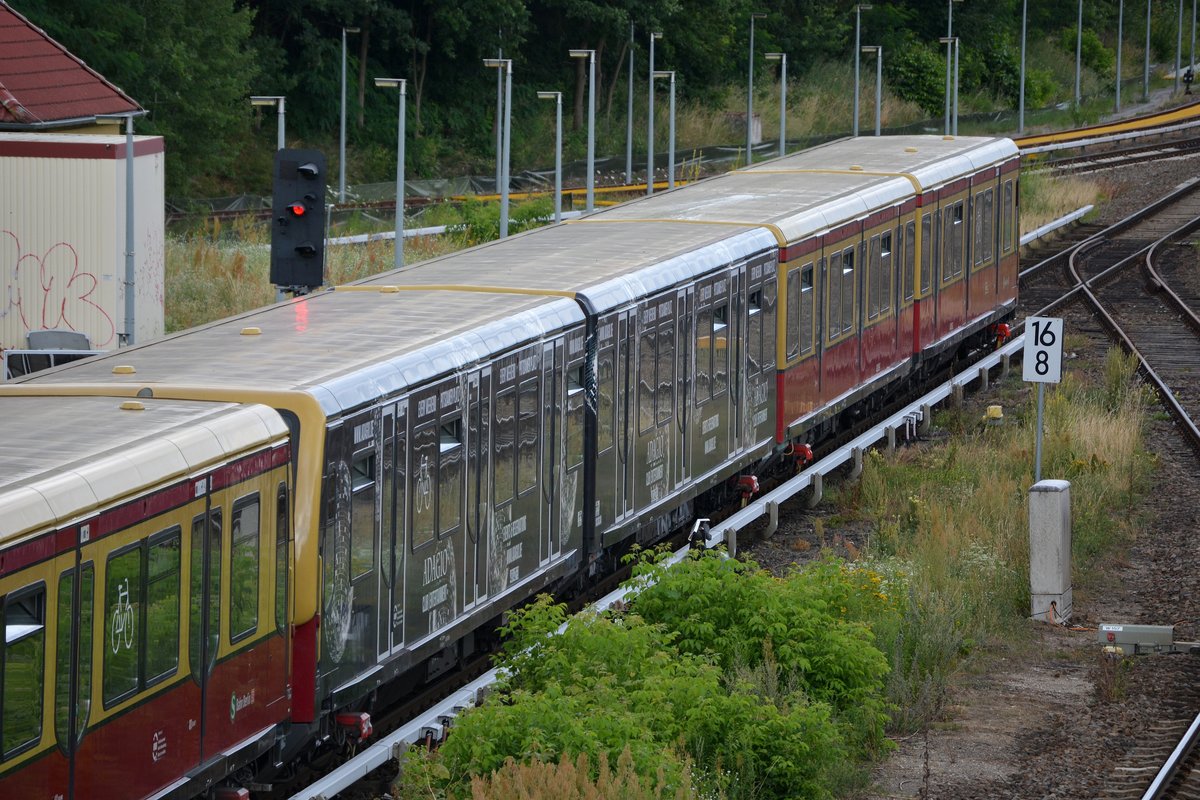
50	290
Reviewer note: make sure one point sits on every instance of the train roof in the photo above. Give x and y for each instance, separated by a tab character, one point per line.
344	346
604	265
813	190
65	459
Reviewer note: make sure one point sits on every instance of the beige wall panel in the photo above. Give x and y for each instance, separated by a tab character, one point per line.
62	237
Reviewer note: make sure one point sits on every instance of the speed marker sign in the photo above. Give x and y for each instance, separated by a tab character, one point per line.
1042	362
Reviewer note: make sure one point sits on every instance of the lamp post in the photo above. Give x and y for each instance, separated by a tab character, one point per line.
127	338
1178	45
499	118
878	51
557	98
590	55
629	116
670	75
398	83
278	102
506	65
1021	91
1146	69
650	123
1192	52
782	59
858	9
342	134
1120	36
750	90
947	39
1079	51
952	42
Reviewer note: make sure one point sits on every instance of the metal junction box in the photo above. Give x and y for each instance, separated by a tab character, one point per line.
1133	639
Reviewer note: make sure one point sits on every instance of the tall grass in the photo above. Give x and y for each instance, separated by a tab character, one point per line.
223	269
952	522
1046	197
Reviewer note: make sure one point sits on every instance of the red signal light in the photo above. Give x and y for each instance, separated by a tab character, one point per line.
298	209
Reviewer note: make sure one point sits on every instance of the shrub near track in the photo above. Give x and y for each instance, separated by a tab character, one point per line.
734	682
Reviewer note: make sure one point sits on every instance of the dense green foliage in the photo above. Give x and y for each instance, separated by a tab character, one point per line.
742	684
193	64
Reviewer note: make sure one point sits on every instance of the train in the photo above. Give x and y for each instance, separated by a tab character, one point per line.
223	551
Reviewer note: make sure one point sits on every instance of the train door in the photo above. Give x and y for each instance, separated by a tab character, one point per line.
626	410
73	660
737	353
552	457
609	494
391	528
205	608
655	381
759	358
478	515
684	342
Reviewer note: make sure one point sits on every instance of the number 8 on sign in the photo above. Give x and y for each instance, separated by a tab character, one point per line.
1042	362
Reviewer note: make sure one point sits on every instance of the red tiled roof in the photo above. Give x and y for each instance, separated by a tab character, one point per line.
41	83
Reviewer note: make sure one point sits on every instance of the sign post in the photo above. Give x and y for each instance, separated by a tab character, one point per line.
1042	364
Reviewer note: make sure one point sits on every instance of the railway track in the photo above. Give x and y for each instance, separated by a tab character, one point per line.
1140	285
1114	157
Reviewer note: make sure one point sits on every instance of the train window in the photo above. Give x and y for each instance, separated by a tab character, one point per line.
574	422
196	592
606	379
984	227
83	655
874	279
807	304
885	272
927	250
122	617
450	458
362	514
23	669
162	605
848	306
281	556
754	331
768	293
720	349
424	483
647	380
792	313
1006	225
952	250
704	356
666	373
402	501
910	258
505	463
527	449
244	568
835	296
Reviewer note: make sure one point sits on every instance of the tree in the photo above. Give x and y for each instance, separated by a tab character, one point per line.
189	63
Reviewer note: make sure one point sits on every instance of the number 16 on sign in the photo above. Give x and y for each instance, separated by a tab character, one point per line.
1042	364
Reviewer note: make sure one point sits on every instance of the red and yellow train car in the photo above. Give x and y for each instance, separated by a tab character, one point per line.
143	571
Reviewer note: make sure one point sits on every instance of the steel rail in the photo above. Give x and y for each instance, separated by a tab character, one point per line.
1158	787
1174	407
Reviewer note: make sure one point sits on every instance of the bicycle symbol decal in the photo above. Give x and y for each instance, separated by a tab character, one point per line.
122	621
424	486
